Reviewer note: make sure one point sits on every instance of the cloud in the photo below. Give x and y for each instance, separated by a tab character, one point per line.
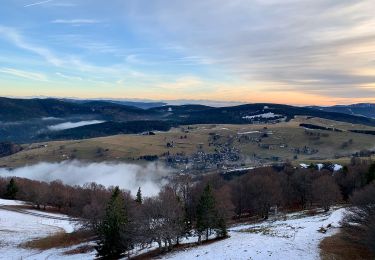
318	48
183	83
76	21
150	177
63	4
38	3
16	38
69	125
86	43
68	77
24	74
67	61
287	41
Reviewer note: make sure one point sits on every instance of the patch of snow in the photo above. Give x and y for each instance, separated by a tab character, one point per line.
296	238
17	228
240	169
249	132
337	167
66	224
69	125
320	166
264	115
304	165
4	202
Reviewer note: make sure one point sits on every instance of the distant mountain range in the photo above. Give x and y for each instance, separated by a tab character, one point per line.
29	120
362	109
139	104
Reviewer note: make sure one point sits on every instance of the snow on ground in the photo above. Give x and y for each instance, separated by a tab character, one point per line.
249	132
264	115
295	238
4	202
240	169
17	228
337	167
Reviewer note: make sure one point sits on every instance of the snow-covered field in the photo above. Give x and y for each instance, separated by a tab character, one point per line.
295	238
17	228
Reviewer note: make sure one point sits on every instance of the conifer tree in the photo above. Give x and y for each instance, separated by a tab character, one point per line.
11	189
206	213
139	198
222	228
112	231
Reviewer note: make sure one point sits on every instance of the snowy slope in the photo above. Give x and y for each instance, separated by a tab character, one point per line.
4	202
294	238
19	227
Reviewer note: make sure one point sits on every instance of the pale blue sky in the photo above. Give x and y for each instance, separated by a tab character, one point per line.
286	51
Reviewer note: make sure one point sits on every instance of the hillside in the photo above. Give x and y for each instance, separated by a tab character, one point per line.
37	120
295	237
207	145
20	225
261	112
13	110
362	109
106	128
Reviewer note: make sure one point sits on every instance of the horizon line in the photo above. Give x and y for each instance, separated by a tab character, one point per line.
179	101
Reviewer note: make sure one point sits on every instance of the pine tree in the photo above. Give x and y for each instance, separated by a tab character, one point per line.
206	213
113	238
221	228
11	190
139	198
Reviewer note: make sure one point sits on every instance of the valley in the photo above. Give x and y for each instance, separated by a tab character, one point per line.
280	175
213	130
207	147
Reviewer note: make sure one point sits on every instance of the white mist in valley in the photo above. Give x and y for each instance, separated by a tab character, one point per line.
69	125
150	177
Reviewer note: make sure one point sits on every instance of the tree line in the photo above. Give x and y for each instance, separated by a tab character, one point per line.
359	221
194	205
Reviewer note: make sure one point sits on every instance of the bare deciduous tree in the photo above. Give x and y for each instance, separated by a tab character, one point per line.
325	191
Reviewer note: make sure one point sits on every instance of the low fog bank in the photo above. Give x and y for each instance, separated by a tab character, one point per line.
150	177
69	125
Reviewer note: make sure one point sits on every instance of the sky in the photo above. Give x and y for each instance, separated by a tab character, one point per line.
301	52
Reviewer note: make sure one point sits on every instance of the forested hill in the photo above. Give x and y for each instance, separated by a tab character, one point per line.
253	112
362	109
12	110
29	120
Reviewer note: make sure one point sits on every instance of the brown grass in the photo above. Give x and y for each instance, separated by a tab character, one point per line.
337	247
127	148
59	240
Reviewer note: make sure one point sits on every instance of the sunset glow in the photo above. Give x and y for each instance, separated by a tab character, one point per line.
295	52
